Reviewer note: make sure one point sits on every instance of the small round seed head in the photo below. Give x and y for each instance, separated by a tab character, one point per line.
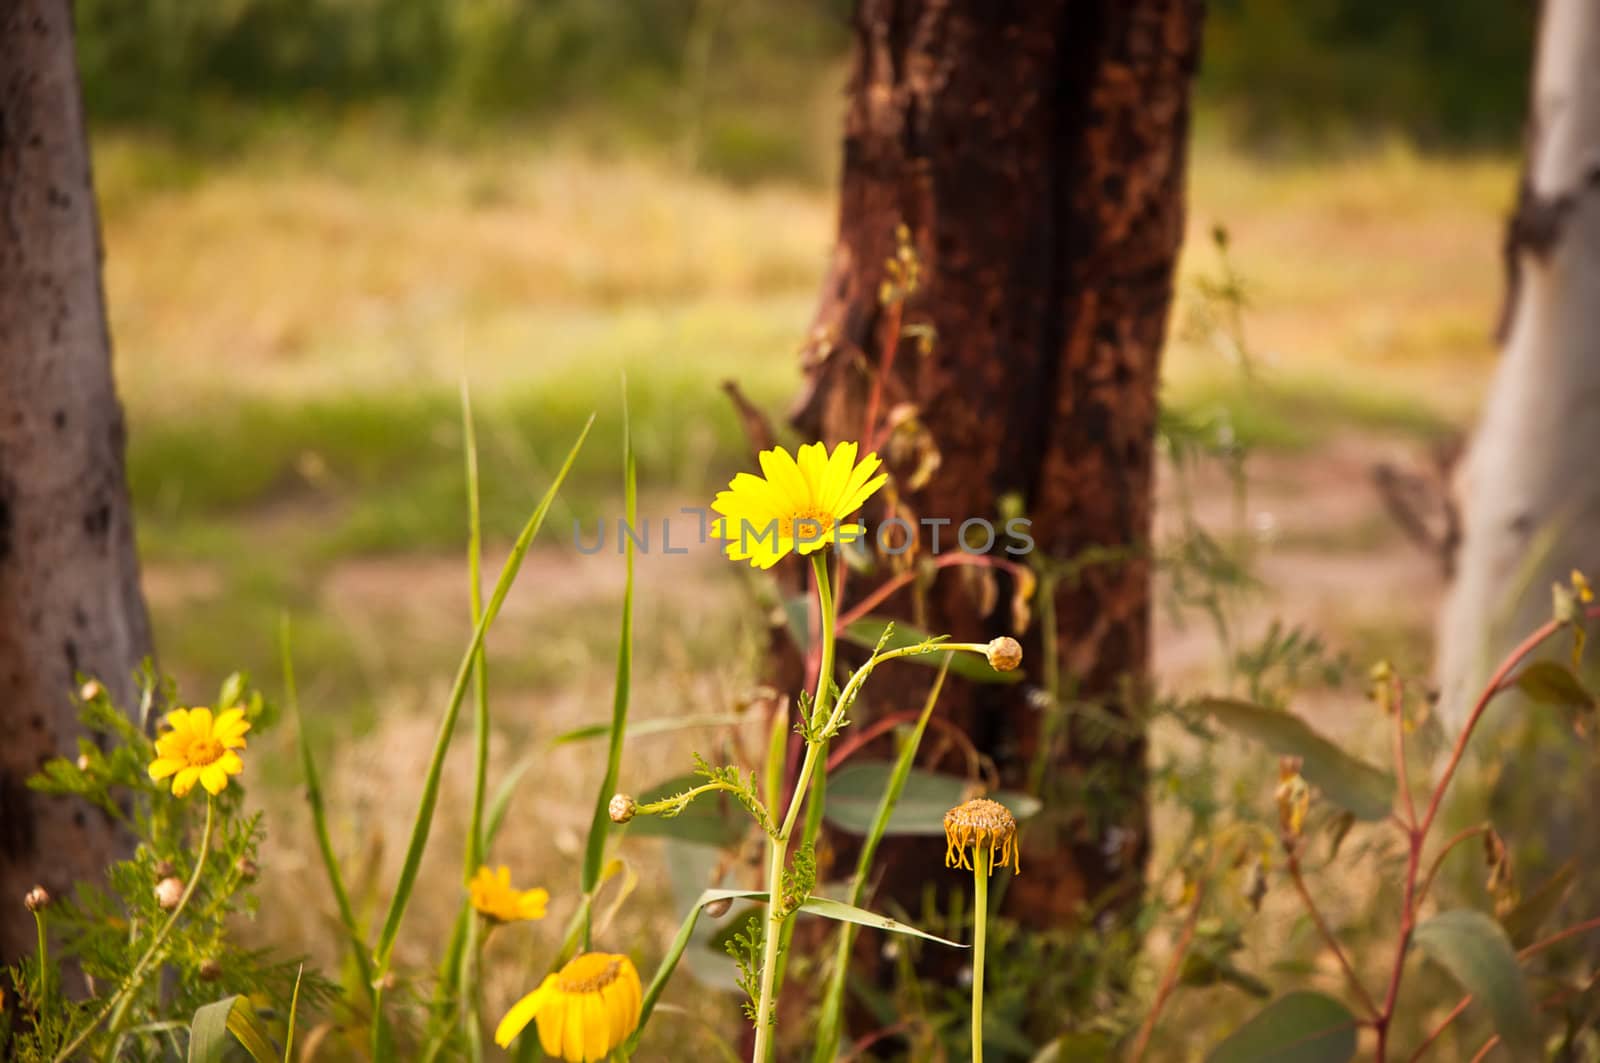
1004	653
83	762
91	690
981	825
247	868
622	808
37	899
210	969
719	908
169	891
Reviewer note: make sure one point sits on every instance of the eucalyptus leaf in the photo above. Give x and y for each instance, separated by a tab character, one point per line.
1300	1027
1550	683
1523	923
1478	954
1347	781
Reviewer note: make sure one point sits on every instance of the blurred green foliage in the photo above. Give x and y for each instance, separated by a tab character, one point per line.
742	80
1443	72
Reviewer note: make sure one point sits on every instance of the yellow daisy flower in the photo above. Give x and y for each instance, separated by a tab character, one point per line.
493	895
585	1011
199	748
795	506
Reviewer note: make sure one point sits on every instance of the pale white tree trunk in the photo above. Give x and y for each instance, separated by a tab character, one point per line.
1532	478
69	582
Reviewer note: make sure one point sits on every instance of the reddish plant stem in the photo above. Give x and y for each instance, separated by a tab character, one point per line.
1327	932
1438	861
1526	954
1417	831
1169	978
857	740
882	592
1402	776
891	344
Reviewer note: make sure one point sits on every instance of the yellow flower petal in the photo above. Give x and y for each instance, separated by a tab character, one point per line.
184	781
161	767
522	1013
572	1043
214	779
200	722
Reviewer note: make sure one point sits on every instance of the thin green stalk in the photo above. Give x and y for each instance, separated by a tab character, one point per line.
980	933
43	991
600	822
117	1006
422	825
830	1021
423	822
319	819
772	951
467	992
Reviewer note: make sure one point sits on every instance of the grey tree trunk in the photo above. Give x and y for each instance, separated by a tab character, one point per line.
1532	496
69	583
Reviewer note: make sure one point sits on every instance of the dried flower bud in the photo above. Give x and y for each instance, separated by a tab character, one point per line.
719	908
622	808
169	891
1004	654
83	762
1293	797
164	869
37	899
248	871
210	970
91	690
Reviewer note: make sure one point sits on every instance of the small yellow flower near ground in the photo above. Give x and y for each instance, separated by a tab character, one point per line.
795	506
978	824
200	748
493	895
585	1011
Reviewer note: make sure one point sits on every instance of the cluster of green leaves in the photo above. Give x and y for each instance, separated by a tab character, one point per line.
93	938
744	948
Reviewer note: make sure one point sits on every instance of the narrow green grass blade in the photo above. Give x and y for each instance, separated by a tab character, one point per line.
319	813
502	799
294	1006
423	822
831	1017
600	824
480	673
669	962
467	990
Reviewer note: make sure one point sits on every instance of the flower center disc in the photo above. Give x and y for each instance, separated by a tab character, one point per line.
203	751
591	977
812	525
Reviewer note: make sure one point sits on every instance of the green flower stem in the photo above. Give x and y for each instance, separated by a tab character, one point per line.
778	848
43	990
671	806
467	991
117	1006
980	927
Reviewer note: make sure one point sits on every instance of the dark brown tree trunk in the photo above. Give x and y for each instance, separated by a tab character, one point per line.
69	583
1036	154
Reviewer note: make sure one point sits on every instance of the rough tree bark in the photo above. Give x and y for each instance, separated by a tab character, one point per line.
1531	506
69	588
1036	153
